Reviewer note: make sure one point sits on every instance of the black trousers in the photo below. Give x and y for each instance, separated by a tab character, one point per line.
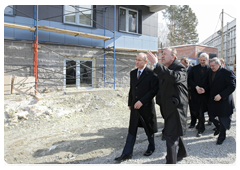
201	120
172	153
130	141
193	118
222	124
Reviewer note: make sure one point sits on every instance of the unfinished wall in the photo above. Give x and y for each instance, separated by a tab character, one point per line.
19	55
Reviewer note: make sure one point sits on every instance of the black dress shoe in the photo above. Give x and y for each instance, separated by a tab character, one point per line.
229	127
179	158
214	129
191	126
148	153
199	134
163	137
219	142
123	157
216	132
209	123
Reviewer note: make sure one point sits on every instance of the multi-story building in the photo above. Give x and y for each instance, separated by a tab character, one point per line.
229	43
73	39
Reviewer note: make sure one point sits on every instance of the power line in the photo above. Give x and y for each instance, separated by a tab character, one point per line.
216	25
229	15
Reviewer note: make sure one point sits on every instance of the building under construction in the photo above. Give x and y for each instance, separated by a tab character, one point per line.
80	46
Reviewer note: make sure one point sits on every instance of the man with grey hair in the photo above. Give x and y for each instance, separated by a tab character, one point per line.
173	101
198	81
221	86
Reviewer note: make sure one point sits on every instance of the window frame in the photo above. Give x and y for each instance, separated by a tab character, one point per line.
127	20
77	17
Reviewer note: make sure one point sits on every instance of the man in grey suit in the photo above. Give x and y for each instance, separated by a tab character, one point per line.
188	66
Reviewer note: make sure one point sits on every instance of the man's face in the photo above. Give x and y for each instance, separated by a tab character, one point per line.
185	64
140	62
167	57
214	66
203	61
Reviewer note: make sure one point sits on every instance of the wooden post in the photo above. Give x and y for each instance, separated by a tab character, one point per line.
222	37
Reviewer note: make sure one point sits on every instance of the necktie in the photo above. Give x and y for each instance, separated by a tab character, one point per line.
139	73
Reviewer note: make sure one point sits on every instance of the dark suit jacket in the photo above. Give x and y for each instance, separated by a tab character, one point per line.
223	84
189	68
173	97
197	78
143	89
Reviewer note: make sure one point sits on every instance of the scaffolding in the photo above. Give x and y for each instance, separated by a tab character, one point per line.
74	33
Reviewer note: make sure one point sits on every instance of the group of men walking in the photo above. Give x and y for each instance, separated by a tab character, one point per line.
204	88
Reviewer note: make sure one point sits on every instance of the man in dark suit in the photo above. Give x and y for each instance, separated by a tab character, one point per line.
173	101
221	86
143	87
185	62
198	82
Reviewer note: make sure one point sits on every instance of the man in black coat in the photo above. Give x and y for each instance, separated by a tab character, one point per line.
173	101
186	63
143	87
221	86
198	82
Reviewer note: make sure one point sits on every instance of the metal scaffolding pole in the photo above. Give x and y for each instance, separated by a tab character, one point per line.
35	57
114	37
114	40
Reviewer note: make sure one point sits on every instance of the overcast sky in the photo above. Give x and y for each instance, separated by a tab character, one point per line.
208	18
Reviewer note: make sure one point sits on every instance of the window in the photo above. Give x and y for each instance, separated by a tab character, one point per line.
8	10
79	73
128	20
82	16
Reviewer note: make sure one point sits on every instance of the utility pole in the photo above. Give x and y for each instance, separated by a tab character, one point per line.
222	37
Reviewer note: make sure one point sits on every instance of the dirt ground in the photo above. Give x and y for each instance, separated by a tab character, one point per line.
70	126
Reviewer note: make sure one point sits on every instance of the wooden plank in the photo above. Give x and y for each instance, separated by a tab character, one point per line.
131	49
7	84
58	30
32	29
23	85
75	33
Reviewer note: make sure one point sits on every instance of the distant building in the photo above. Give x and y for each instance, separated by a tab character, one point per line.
229	43
192	52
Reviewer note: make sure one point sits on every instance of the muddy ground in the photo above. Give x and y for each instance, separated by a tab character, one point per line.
71	126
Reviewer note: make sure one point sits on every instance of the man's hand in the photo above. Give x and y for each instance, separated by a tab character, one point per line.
138	104
217	98
129	107
151	57
200	90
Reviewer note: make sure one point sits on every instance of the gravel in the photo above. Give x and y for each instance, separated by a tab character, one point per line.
201	151
90	127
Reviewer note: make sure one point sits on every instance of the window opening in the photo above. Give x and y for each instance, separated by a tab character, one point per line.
70	73
79	73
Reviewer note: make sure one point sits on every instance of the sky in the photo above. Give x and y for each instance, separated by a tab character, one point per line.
208	18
